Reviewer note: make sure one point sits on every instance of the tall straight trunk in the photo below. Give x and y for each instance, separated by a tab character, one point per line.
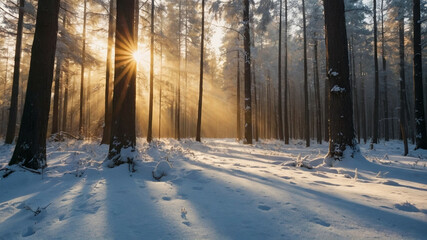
402	80
285	114
4	91
65	106
199	111
55	114
355	89
279	80
30	150
363	105
106	135
384	69
178	90
377	88
123	124
317	95
327	107
421	135
82	71
341	114
306	110
59	61
239	134
150	108
248	88
13	112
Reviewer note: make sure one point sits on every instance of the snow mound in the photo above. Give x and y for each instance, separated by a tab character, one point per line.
162	169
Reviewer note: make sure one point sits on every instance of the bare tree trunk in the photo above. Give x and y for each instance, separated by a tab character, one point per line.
341	114
65	107
377	89
106	136
150	109
384	65
30	150
402	80
279	68
13	112
317	95
239	134
286	122
248	88
123	127
199	111
178	92
363	105
82	73
306	110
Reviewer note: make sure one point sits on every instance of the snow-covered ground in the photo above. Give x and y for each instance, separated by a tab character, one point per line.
218	189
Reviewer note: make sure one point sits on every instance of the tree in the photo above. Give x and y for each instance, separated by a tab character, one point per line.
82	70
123	125
13	112
279	68
30	150
285	111
247	57
377	88
150	110
341	130
199	113
108	83
421	136
306	110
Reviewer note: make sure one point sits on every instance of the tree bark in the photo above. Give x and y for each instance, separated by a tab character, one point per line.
30	150
317	95
199	113
402	80
377	89
285	111
82	71
421	135
306	110
279	68
248	88
106	136
123	124
13	112
341	115
384	69
239	134
150	108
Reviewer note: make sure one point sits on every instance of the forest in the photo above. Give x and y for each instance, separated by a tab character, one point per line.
215	119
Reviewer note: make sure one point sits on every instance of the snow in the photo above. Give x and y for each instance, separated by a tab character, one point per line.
217	189
336	88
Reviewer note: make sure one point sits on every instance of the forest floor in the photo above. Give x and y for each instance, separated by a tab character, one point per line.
217	189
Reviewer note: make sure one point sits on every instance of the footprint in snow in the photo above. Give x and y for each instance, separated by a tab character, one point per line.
320	222
264	207
28	232
166	198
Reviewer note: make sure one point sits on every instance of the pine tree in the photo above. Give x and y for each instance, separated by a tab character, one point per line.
123	128
30	150
341	130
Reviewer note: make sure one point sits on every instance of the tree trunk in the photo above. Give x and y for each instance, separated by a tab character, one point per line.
317	95
123	127
178	90
402	80
341	115
377	89
239	134
279	68
30	150
363	105
82	72
306	110
106	136
13	112
199	114
421	136
285	116
65	107
384	66
150	109
248	88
